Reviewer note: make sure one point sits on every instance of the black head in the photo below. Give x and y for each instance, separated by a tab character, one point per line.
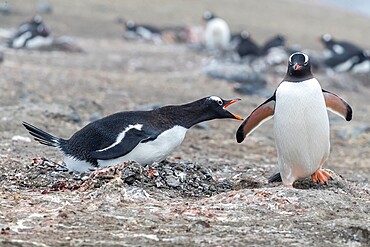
37	19
215	107
244	35
208	15
299	67
130	24
205	109
280	40
326	39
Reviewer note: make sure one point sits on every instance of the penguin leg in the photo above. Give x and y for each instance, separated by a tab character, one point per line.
320	176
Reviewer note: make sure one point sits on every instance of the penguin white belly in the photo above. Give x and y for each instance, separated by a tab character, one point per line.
152	151
217	34
19	42
39	42
301	127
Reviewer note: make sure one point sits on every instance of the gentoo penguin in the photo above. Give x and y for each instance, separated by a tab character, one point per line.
361	63
217	32
142	136
334	47
32	34
341	56
246	46
301	124
145	32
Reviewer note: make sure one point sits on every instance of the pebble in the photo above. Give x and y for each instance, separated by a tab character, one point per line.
172	181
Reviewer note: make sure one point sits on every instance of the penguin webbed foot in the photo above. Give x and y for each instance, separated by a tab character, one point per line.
321	176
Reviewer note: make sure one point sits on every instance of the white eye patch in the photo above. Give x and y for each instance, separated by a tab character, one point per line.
326	37
305	58
217	99
299	53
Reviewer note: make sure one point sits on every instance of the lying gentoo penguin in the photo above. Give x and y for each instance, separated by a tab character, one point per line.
301	123
343	56
246	45
145	32
334	47
32	34
142	136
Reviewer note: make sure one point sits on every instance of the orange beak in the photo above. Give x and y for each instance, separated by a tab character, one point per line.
297	67
230	102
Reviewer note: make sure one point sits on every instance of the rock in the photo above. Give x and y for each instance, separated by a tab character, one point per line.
21	138
352	132
5	9
172	181
44	8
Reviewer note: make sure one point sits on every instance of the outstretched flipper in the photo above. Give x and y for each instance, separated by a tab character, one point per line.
337	105
261	114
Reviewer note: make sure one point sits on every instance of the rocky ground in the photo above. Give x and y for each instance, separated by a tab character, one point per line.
211	191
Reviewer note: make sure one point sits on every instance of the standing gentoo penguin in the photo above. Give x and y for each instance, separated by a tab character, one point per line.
217	33
32	34
142	136
301	123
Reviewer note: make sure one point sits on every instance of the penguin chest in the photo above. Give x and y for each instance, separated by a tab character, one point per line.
217	34
301	127
152	151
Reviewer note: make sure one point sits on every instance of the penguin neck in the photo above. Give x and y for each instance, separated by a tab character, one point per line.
293	76
186	115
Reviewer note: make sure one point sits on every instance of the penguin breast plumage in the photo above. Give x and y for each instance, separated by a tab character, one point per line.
301	127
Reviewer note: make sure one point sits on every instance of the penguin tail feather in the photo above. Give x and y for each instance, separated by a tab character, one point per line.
42	136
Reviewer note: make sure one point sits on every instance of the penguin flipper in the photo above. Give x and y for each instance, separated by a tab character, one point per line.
261	114
337	105
132	138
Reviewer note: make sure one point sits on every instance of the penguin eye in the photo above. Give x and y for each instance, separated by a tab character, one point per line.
219	101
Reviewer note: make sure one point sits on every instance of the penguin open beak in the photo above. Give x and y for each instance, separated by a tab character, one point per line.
297	67
227	103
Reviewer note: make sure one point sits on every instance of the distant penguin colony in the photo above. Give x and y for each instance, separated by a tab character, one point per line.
32	34
142	136
301	122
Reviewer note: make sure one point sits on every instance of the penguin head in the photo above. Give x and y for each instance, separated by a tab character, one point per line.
244	35
37	19
130	24
280	40
299	65
208	15
215	107
327	39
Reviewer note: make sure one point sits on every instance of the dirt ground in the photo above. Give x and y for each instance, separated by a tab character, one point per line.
211	191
